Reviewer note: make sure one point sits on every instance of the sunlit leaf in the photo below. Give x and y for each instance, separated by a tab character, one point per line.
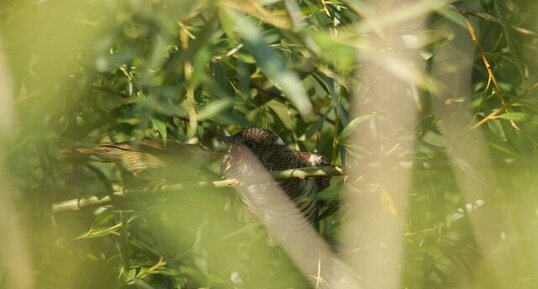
271	64
253	8
215	108
159	126
100	232
352	125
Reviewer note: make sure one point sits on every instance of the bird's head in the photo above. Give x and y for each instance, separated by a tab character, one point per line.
254	138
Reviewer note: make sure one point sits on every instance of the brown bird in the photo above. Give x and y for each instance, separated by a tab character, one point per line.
274	155
155	160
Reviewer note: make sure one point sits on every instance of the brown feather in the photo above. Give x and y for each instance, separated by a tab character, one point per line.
151	159
275	156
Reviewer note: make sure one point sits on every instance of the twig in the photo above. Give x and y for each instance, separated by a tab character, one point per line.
491	75
76	205
489	18
307	172
495	112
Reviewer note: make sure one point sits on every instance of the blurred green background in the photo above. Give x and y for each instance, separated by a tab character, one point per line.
85	72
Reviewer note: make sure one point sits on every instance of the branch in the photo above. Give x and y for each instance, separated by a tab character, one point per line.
75	205
489	18
495	112
307	172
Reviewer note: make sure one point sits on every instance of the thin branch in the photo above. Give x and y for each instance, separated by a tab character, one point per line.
484	59
307	172
75	205
495	112
492	19
491	75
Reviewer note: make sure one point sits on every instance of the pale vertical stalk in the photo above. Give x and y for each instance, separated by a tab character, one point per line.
467	151
7	101
286	224
376	195
190	102
15	261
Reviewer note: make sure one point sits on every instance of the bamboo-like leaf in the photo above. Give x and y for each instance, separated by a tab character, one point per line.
518	117
255	9
342	54
215	108
159	126
508	35
272	64
352	125
100	232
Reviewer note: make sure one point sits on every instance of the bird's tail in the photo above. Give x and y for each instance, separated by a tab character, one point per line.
102	153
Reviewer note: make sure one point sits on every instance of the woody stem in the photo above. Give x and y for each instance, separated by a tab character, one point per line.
75	205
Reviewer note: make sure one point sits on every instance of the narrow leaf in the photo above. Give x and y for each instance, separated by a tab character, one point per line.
346	132
272	64
160	127
214	108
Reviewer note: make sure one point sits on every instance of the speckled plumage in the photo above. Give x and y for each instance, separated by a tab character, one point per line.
151	159
274	155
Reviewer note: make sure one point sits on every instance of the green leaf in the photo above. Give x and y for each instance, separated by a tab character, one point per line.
331	193
514	116
255	9
518	117
100	232
282	112
272	64
509	37
159	126
352	125
505	150
342	54
166	108
233	118
215	108
227	24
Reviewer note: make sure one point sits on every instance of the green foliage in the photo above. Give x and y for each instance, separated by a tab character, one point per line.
87	72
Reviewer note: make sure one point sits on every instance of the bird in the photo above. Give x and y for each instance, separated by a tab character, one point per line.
275	155
156	160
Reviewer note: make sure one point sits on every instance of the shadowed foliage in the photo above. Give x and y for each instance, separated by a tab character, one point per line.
186	73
